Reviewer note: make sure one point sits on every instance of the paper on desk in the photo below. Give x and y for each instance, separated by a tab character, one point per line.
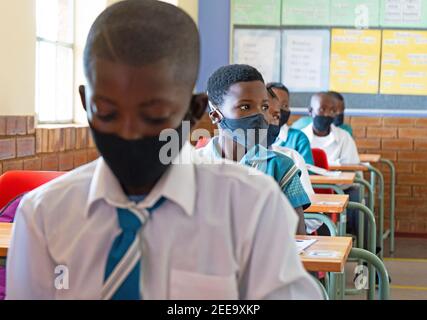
322	172
322	254
304	244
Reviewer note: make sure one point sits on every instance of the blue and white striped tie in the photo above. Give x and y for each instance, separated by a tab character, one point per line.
121	281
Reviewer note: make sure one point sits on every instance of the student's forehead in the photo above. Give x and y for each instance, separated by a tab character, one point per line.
248	90
108	75
326	101
281	94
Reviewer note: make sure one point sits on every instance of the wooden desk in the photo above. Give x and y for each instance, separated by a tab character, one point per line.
341	247
343	178
370	157
349	167
5	236
328	203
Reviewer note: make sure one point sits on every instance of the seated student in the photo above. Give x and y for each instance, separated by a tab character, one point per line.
339	118
303	122
339	146
273	115
238	96
323	134
288	137
133	226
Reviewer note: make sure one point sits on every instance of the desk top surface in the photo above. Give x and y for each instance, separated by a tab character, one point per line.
328	203
343	178
370	157
327	254
5	237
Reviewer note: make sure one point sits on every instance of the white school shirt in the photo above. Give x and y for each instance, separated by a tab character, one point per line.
339	146
203	242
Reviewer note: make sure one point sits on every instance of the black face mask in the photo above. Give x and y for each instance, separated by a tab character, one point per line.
135	163
339	120
284	117
238	129
272	133
322	123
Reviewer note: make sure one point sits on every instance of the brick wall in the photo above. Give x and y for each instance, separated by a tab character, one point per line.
24	147
404	141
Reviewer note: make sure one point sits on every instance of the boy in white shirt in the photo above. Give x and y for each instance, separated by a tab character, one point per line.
338	144
132	226
323	134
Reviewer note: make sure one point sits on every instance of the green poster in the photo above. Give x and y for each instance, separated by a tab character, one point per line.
404	13
256	12
355	13
306	12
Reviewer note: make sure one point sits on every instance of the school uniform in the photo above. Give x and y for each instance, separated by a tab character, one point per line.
347	128
339	146
197	244
310	225
274	164
296	140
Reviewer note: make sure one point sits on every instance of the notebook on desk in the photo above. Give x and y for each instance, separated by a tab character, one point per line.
304	244
322	172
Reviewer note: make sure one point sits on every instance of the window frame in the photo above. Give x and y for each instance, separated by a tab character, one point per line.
68	45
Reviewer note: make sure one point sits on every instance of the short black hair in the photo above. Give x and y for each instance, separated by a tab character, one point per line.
277	85
142	32
336	95
222	79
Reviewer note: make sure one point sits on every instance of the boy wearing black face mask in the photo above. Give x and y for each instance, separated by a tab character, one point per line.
339	146
238	99
288	137
323	134
131	225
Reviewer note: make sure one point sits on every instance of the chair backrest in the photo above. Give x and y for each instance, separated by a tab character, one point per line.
320	158
14	183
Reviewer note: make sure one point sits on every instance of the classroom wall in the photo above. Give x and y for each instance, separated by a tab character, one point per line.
48	147
17	75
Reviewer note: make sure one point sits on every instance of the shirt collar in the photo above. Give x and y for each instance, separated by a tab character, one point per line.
105	186
283	134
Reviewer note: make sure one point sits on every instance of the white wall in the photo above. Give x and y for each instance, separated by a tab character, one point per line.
17	57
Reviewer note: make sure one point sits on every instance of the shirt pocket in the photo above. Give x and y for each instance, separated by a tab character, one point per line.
185	285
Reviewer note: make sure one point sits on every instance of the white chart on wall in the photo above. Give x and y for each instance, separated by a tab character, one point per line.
305	60
260	49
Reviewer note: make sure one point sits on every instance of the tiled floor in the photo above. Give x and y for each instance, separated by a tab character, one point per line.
407	268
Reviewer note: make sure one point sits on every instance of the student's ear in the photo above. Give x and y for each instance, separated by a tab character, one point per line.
310	111
198	105
82	93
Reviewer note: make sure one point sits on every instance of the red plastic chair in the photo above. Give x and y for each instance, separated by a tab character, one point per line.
321	160
14	183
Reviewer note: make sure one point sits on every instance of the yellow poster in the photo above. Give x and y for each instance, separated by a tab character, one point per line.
404	62
355	60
